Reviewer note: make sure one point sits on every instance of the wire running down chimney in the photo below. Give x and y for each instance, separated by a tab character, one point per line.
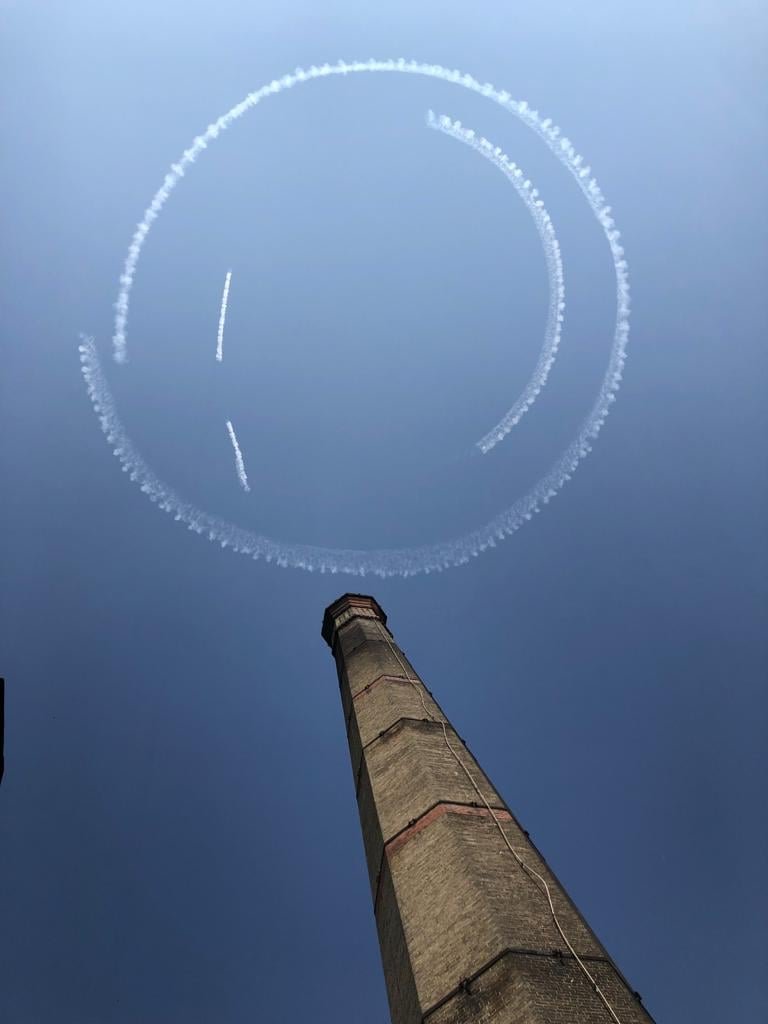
473	926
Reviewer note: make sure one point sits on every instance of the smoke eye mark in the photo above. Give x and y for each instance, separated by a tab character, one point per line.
223	317
239	462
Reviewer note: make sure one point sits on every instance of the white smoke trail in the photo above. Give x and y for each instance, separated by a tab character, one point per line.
239	464
385	562
530	197
223	317
404	561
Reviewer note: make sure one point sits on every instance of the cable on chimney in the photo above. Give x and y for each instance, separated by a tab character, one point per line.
537	879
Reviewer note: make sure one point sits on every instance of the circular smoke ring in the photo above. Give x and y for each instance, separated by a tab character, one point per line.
403	561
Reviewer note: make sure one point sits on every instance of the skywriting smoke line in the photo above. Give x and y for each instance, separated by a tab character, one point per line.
385	562
239	463
223	317
551	246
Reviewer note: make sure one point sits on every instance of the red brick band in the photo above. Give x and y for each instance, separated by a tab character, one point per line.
398	842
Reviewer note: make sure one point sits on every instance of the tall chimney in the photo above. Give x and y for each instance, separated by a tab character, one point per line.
473	926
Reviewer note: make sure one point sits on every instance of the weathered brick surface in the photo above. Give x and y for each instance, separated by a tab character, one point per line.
463	898
357	631
404	774
466	934
410	769
534	988
383	703
404	1002
365	663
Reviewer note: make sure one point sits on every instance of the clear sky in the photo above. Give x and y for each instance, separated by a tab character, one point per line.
178	832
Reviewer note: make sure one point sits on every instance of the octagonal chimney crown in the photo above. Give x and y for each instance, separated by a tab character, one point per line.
346	608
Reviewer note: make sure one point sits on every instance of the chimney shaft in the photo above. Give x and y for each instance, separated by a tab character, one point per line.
460	893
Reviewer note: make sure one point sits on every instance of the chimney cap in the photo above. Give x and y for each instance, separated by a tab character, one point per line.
346	607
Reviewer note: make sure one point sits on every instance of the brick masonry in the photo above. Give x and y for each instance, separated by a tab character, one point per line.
466	935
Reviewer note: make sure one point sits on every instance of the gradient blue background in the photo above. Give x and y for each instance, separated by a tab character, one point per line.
178	833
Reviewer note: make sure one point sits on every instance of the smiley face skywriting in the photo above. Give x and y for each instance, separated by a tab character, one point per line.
404	561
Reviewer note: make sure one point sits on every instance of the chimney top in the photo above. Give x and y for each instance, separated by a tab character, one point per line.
350	606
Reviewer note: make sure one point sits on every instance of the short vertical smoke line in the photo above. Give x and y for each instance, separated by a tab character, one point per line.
223	317
242	476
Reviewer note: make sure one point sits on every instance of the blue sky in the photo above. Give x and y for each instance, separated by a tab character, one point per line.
177	822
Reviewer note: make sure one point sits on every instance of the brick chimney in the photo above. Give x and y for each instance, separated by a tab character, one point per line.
460	894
